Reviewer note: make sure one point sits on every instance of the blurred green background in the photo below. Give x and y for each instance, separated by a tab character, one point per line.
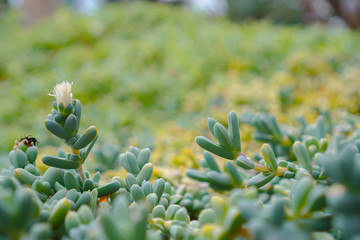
149	74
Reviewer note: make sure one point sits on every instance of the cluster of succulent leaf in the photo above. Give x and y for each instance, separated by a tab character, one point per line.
302	184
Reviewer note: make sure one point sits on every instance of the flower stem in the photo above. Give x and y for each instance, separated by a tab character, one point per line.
79	169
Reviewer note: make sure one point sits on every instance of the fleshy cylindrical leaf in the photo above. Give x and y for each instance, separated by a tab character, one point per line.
70	181
60	162
245	162
207	216
182	215
269	157
302	155
85	198
134	150
77	112
88	185
132	163
51	175
218	178
87	137
234	130
223	137
211	123
214	148
24	176
260	180
158	187
300	192
143	157
233	219
59	212
211	162
231	168
137	193
197	175
71	123
158	211
20	158
130	180
56	129
220	207
108	188
31	153
72	220
145	173
85	214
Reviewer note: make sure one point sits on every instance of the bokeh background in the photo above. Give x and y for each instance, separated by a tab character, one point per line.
150	72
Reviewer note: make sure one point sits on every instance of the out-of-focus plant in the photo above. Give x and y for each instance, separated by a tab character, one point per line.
276	10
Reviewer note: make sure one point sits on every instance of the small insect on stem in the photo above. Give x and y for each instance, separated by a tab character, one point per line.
28	140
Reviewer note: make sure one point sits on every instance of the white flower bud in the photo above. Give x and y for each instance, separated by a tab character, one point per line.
62	93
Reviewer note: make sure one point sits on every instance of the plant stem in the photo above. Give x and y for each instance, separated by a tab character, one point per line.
261	168
79	169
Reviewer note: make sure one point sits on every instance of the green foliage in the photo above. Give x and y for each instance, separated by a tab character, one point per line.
285	180
306	186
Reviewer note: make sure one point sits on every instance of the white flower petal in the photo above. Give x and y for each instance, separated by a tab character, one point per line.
62	93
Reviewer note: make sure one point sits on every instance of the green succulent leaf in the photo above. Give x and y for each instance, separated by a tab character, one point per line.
223	137
131	163
86	138
70	181
71	124
108	188
143	157
72	220
56	129
59	162
302	155
85	198
207	216
88	185
59	212
260	179
214	148
137	193
234	131
233	220
299	193
158	211
24	176
269	157
77	113
197	175
85	214
211	123
20	158
245	162
231	168
218	178
145	173
159	187
51	175
31	153
211	162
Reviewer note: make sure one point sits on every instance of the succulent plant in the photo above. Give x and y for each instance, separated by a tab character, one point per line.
302	184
